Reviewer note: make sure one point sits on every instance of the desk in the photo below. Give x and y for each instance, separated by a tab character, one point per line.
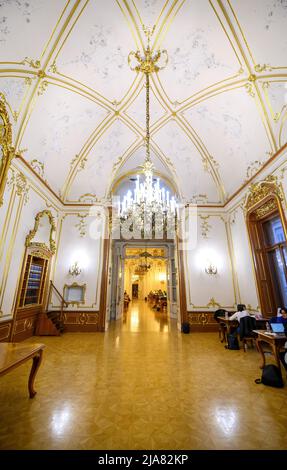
13	355
275	341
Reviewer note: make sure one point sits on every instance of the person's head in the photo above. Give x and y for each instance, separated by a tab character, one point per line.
241	307
283	312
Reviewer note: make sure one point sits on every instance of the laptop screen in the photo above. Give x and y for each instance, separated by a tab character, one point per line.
277	327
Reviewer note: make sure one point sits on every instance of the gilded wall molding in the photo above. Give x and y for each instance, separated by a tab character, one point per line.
82	225
19	181
7	151
38	167
266	208
32	233
205	226
266	189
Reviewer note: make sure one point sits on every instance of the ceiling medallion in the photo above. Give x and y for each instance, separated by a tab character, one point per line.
149	205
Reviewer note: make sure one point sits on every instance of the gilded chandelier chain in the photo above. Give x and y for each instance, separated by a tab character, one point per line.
147	118
147	64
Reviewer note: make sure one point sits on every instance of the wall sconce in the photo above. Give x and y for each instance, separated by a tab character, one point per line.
211	269
75	269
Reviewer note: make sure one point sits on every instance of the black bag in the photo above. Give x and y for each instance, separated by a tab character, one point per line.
271	376
185	328
232	342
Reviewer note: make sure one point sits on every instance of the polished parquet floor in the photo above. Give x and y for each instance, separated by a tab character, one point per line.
142	385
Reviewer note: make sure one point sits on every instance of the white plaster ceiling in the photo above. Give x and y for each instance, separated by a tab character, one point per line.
218	110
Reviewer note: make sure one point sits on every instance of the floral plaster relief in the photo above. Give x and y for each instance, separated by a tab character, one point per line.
187	161
150	10
199	52
69	120
96	176
263	22
21	21
231	128
99	59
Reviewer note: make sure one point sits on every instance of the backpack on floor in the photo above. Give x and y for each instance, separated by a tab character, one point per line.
232	342
271	375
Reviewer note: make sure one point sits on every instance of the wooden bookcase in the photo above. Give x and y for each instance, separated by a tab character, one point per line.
33	283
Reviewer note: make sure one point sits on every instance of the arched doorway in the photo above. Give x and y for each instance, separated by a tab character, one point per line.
141	270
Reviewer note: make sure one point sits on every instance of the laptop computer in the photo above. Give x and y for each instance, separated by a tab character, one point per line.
278	328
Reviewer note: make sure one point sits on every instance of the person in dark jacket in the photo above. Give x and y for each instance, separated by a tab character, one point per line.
281	317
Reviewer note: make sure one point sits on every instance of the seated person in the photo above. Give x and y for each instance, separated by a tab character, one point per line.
258	315
241	312
281	317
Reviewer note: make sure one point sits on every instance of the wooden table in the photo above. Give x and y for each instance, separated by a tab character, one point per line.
228	323
13	355
274	340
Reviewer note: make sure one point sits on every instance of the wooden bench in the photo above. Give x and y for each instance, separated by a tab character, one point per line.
13	355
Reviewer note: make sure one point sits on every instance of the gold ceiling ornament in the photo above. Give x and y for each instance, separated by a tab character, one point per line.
88	197
32	233
14	114
35	64
42	88
149	62
53	68
7	151
37	166
253	168
260	191
263	68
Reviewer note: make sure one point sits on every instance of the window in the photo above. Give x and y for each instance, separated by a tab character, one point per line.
275	249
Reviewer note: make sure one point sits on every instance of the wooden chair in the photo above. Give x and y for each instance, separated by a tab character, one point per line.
221	325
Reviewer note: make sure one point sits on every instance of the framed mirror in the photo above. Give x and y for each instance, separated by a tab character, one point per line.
74	293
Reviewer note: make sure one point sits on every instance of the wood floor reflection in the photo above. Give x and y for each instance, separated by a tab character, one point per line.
142	385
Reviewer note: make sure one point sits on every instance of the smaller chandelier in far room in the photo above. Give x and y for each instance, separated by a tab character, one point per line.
148	200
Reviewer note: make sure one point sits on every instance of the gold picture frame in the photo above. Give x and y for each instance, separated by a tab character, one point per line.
74	293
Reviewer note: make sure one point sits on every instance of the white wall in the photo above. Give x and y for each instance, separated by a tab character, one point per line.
204	291
81	240
244	269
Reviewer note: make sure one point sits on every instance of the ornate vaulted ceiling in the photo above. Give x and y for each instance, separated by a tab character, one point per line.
218	110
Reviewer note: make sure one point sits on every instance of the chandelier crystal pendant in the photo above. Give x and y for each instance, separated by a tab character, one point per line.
148	200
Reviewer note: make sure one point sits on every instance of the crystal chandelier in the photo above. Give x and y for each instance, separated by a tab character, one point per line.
148	201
